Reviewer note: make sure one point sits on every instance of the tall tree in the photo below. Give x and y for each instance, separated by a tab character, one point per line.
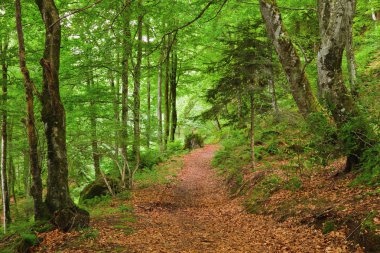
93	124
334	16
136	95
350	51
148	90
167	91
34	160
67	216
290	61
4	178
173	94
126	44
159	97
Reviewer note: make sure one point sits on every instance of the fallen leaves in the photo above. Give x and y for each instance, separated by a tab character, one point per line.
195	214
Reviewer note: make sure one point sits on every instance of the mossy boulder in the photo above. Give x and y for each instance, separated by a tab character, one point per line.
193	141
99	188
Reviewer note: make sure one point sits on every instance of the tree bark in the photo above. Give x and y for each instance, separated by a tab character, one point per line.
272	87
333	19
126	42
94	134
4	178
66	216
148	88
11	167
115	93
252	130
166	93
290	61
350	51
173	93
159	99
136	98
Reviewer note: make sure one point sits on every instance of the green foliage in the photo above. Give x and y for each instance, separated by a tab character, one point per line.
90	233
98	200
328	227
370	173
194	140
368	224
174	148
151	158
125	208
261	193
124	195
273	148
30	238
324	140
293	184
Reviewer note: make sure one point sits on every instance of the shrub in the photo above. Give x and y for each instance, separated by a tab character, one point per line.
293	184
324	139
193	140
150	158
262	191
370	167
328	227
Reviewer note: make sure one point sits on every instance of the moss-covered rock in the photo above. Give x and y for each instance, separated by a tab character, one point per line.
193	141
99	188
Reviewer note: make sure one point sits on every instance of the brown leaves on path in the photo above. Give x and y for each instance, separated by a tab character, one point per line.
196	215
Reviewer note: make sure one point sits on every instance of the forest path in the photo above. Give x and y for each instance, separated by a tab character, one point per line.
196	215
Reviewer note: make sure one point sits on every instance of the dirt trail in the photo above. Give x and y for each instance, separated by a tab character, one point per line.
196	215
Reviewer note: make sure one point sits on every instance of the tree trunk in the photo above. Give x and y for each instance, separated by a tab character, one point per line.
115	93
4	178
272	87
333	16
11	167
159	99
126	42
136	97
166	92
290	61
26	174
93	124
148	88
66	215
252	131
173	93
350	51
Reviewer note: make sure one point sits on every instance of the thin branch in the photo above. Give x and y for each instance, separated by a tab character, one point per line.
175	30
75	12
218	12
283	7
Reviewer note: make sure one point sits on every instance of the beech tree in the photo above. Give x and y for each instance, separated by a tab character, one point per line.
66	214
289	58
4	125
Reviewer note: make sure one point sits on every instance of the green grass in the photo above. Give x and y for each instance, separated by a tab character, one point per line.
160	174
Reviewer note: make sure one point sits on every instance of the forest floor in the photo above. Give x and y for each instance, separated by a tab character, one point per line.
193	213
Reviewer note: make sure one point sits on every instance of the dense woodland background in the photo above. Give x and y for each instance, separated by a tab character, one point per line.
138	79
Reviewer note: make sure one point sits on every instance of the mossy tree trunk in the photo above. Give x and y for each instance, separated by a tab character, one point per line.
173	93
289	59
4	140
136	98
126	44
66	215
334	19
148	90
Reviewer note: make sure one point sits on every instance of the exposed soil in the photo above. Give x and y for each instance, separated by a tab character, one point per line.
195	214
